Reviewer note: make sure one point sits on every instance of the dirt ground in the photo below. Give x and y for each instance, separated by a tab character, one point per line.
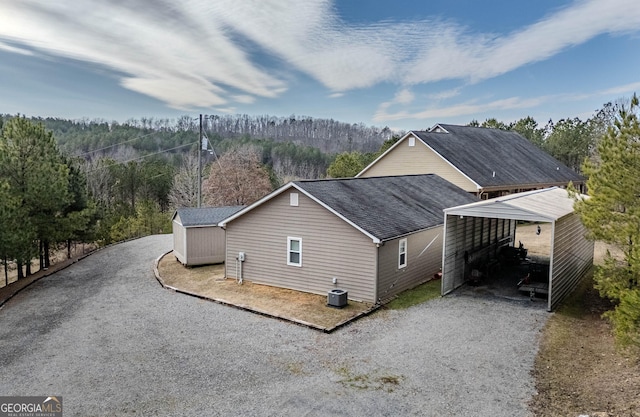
57	255
209	282
579	371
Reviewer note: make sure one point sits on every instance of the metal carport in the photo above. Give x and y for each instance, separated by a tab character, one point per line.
477	229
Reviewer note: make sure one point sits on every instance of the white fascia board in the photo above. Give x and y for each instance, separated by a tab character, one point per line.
196	226
386	152
352	224
264	199
412	233
437	125
502	199
529	214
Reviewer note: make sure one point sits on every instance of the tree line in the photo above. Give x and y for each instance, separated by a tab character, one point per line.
63	181
327	135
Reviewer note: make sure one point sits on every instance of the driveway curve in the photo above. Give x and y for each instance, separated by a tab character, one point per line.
111	341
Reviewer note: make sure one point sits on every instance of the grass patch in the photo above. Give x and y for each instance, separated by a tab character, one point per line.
420	294
579	370
368	382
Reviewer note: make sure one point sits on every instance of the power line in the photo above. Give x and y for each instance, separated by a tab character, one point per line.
117	144
144	156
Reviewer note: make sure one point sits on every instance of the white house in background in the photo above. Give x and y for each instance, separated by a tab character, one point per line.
483	161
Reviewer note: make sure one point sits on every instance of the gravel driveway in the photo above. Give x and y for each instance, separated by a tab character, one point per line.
104	335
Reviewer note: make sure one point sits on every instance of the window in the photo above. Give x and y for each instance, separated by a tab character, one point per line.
294	251
293	199
412	141
402	253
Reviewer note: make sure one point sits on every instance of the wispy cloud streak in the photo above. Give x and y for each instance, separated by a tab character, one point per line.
202	53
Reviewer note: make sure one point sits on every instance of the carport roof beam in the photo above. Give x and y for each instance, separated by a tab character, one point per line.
546	205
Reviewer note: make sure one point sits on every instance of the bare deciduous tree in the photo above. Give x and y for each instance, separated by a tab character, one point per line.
184	192
237	178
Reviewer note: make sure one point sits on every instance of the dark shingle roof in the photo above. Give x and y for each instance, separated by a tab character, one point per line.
479	152
388	207
205	216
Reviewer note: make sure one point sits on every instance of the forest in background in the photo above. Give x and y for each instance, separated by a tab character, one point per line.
129	177
98	181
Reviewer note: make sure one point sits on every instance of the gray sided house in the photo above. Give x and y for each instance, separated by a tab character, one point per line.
373	237
483	161
197	239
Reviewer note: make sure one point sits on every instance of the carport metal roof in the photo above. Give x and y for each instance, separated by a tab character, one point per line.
546	205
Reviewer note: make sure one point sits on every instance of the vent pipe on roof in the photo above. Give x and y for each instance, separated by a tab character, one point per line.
494	174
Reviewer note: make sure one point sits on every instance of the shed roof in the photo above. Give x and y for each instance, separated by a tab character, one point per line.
383	208
546	205
205	216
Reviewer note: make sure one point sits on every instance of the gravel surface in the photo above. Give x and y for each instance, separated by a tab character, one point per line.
104	335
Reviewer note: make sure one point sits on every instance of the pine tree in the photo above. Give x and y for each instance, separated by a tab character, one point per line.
38	179
612	214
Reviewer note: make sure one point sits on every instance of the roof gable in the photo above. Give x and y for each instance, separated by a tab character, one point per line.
204	216
382	208
494	157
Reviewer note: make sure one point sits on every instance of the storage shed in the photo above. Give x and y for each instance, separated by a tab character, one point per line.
477	231
197	239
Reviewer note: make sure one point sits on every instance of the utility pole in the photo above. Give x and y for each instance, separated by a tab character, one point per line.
200	165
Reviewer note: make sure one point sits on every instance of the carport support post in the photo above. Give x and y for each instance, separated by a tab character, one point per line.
550	278
200	165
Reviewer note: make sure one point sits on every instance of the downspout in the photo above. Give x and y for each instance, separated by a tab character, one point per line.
443	268
376	296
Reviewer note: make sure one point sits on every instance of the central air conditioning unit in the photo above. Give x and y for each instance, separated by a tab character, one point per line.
337	298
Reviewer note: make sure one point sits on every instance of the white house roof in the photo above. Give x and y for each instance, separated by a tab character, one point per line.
546	205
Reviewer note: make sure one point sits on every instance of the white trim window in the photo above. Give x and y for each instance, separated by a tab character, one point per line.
294	251
402	253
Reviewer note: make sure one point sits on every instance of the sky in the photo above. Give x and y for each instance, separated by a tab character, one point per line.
404	64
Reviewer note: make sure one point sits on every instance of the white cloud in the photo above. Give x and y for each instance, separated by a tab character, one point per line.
217	53
477	107
471	107
404	96
447	94
244	98
8	48
457	54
